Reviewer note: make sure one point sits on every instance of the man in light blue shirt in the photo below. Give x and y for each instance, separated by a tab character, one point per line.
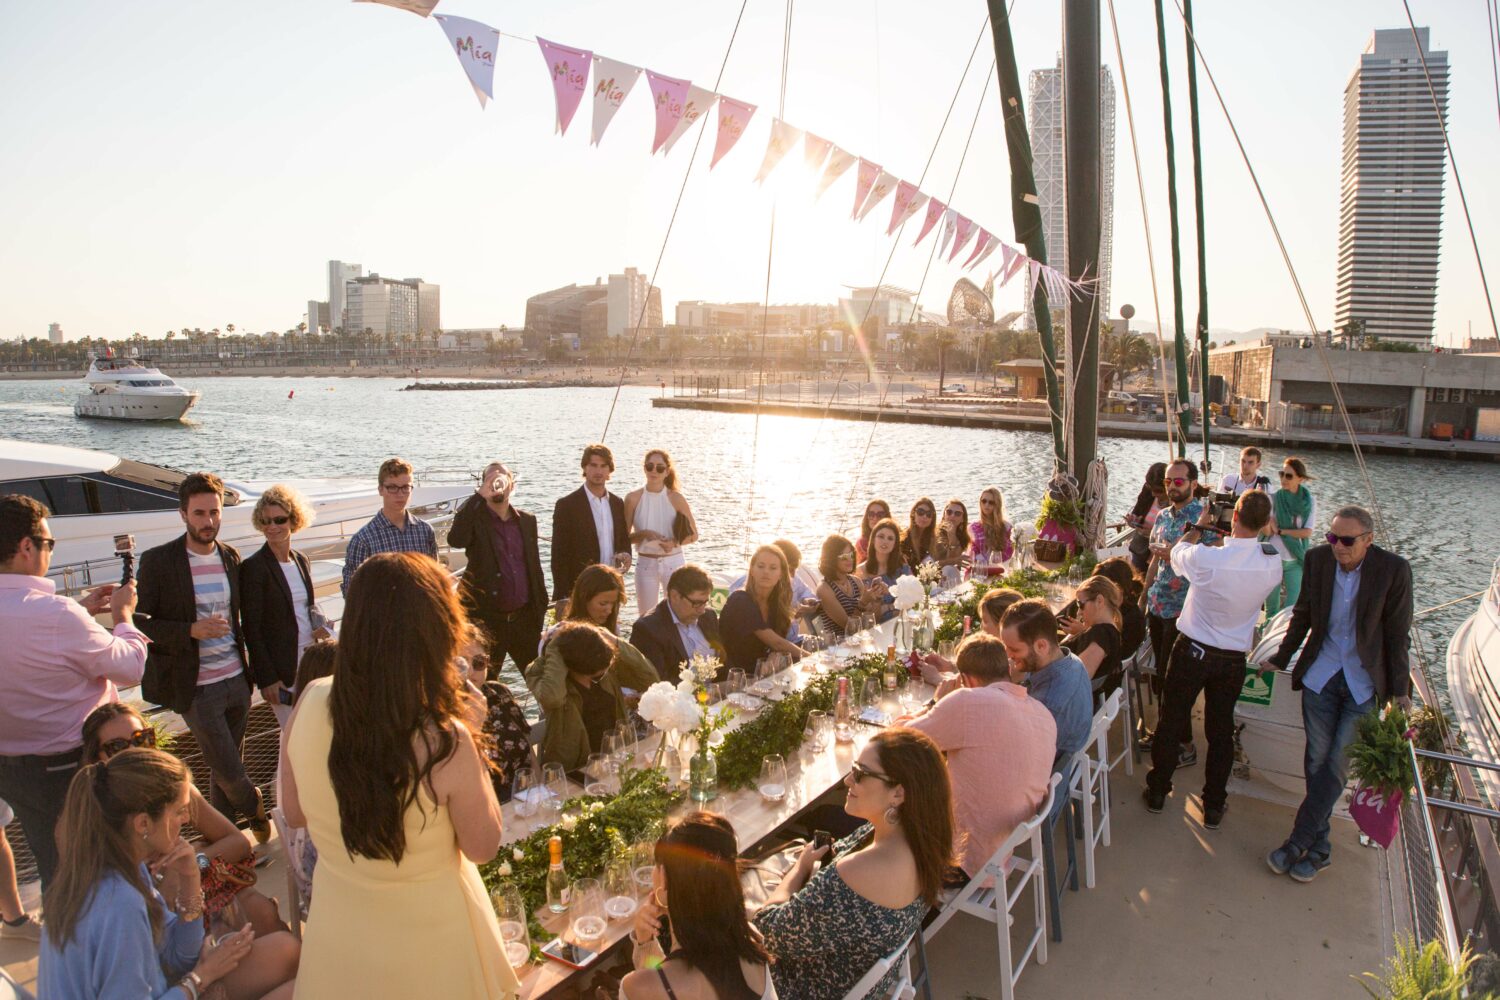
1054	676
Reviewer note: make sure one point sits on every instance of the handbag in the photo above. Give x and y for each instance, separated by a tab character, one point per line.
224	880
1050	550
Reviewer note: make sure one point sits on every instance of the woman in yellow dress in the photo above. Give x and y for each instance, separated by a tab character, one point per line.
381	766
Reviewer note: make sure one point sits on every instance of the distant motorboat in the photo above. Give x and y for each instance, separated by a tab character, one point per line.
127	389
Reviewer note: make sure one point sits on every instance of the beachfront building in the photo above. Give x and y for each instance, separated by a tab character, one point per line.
327	315
1045	109
54	333
1391	213
406	309
607	309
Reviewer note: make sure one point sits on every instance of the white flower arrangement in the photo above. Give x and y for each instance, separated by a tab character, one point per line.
568	822
929	573
705	668
908	592
504	870
671	707
518	854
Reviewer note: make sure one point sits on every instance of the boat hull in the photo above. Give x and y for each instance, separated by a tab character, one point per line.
1473	667
135	406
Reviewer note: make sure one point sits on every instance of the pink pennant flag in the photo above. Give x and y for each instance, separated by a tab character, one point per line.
783	138
815	150
421	8
613	81
994	242
961	234
1011	262
698	103
980	243
884	185
908	200
950	219
935	211
570	77
864	180
1057	285
475	44
669	94
838	162
1035	270
733	117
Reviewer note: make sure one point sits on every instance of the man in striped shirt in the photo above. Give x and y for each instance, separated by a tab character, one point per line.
393	529
189	588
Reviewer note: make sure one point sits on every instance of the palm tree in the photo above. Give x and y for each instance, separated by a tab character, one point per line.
944	340
1127	355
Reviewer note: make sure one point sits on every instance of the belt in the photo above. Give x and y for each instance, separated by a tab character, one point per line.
509	616
73	756
1205	649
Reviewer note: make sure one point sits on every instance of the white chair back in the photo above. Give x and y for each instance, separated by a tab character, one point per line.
298	881
1089	787
901	989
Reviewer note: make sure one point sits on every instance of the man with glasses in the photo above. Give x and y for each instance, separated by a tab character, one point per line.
681	626
393	529
1355	612
59	666
1167	591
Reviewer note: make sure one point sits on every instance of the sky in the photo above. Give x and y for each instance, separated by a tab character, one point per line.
169	165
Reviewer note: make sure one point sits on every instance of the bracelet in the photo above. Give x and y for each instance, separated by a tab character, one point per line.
192	984
193	910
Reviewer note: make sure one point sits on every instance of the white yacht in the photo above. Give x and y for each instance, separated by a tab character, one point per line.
1474	680
126	389
95	496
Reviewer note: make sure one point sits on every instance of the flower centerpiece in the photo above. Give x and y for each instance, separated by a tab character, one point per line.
909	593
683	708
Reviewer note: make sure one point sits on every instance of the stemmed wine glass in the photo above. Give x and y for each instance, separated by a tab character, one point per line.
619	888
586	912
510	910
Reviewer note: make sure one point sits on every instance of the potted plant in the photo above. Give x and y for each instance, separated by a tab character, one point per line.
1380	761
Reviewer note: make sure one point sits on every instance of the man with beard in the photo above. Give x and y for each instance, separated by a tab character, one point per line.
190	606
1052	675
1167	591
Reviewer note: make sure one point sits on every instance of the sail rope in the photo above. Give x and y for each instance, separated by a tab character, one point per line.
1286	258
765	308
1491	8
1458	179
1140	183
656	269
1180	411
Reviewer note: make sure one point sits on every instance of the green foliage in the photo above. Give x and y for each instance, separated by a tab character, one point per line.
1380	757
1422	973
1028	582
1431	728
1068	513
1390	346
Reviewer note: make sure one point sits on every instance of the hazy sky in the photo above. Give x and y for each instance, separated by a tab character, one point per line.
167	165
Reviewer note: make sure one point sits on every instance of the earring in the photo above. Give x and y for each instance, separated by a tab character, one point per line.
892	817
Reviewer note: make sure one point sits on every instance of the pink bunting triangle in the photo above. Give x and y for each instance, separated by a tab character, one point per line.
935	210
1035	270
864	180
815	150
1012	260
733	117
884	185
669	94
994	242
980	243
569	69
783	138
421	8
695	106
961	233
908	199
838	162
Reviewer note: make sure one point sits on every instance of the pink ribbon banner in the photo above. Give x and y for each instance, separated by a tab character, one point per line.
839	162
613	81
733	117
569	69
935	210
669	95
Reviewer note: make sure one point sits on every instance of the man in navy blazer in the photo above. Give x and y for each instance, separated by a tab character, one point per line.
681	625
1355	611
588	527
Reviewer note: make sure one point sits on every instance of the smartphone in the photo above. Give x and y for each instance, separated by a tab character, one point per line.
568	954
822	838
284	695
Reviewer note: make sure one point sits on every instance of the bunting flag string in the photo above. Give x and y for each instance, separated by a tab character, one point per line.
733	117
935	210
815	151
613	82
668	94
864	180
421	8
884	185
980	243
1012	260
570	78
994	242
908	199
475	44
697	104
783	138
839	161
961	233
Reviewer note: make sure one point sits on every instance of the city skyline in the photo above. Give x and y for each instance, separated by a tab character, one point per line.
163	183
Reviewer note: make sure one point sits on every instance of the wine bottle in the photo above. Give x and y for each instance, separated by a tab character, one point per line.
558	890
843	714
890	676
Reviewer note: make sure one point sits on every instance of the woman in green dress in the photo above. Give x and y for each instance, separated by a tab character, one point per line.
1296	511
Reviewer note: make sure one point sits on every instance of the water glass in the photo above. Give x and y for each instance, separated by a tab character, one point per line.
526	793
598	775
948	649
619	888
772	783
869	696
764	668
555	781
734	681
586	912
643	867
821	725
510	910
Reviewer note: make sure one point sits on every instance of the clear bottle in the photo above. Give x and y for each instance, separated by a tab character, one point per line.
843	714
558	889
892	674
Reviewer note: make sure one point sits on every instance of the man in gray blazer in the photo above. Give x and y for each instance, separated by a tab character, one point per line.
1355	611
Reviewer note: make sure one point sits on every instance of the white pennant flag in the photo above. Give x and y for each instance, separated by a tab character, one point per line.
699	101
783	138
884	185
1036	272
950	220
421	8
839	162
613	81
1011	262
475	45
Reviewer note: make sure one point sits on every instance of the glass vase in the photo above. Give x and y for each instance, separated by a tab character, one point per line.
925	632
703	771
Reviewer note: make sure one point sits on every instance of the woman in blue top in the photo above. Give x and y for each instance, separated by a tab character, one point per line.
826	930
109	932
885	562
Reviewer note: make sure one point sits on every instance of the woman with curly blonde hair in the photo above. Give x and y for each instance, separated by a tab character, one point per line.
277	609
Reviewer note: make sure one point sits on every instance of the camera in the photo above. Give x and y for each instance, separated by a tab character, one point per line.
1221	506
125	549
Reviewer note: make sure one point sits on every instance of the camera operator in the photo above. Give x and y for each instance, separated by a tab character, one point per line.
1249	477
60	665
503	589
1229	582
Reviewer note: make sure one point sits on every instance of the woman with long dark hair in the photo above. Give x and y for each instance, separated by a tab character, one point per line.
381	765
1295	512
951	548
885	563
841	597
883	879
109	931
1121	571
875	512
716	954
755	620
920	536
660	522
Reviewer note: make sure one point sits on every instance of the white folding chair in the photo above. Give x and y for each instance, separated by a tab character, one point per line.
296	878
902	989
1127	726
993	893
1090	782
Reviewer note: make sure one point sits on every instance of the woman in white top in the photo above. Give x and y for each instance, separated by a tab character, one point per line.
651	517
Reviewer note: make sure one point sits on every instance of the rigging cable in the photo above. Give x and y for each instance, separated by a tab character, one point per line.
765	309
1453	162
1140	183
1203	379
1317	338
1180	413
1491	7
686	175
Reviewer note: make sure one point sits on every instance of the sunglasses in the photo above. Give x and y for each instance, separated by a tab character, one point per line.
859	773
986	503
283	519
1288	474
140	738
953	512
655	467
923	512
1347	541
44	542
1177	481
846	555
877	513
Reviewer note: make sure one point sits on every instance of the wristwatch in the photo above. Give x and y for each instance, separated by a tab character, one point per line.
202	863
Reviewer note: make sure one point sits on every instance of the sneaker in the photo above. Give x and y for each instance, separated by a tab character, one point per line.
1308	867
1283	858
1154	803
1212	817
260	823
1187	756
29	929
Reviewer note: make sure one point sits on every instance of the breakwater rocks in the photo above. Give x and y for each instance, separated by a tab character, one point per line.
582	383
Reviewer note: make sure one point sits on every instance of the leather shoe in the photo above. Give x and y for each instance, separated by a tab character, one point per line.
1154	803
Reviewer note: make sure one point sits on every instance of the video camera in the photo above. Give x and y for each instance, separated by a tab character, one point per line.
1221	505
125	549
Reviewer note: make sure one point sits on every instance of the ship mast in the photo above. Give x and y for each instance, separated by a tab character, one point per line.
1080	79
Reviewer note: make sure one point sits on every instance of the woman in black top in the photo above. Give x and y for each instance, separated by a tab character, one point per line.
1094	636
755	620
277	612
1121	571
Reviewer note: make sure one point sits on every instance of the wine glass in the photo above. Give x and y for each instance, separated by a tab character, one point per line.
619	888
643	867
525	795
597	774
610	745
818	721
764	669
734	683
772	782
555	781
586	912
510	910
948	649
869	696
625	740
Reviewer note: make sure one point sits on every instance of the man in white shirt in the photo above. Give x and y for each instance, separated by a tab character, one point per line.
1249	477
1228	585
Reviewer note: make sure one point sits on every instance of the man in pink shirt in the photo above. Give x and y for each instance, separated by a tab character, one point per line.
58	665
1000	743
